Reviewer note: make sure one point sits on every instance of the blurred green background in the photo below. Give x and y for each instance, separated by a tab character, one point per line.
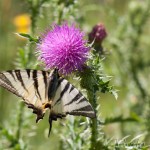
127	61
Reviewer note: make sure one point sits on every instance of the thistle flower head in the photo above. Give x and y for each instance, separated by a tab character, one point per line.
63	48
98	33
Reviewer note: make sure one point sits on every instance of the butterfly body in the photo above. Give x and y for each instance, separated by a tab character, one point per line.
42	91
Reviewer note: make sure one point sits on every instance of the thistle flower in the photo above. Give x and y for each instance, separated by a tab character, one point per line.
63	48
98	33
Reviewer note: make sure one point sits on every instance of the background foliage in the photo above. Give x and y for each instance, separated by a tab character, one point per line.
122	124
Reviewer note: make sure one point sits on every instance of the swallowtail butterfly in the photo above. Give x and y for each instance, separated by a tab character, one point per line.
42	90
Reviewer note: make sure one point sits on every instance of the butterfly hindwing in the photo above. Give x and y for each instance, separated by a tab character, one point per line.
69	100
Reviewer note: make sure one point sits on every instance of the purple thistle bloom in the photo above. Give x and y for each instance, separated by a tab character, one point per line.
64	48
98	33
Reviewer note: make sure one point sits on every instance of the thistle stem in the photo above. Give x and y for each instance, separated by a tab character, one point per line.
94	125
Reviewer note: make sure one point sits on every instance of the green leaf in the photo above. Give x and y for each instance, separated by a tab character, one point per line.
119	119
29	37
114	93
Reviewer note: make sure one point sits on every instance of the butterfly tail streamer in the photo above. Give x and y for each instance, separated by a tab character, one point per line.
50	126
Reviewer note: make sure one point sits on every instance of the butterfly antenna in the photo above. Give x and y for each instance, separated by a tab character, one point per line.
50	126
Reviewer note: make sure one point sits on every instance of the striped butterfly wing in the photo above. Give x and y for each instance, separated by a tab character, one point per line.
41	90
69	100
30	85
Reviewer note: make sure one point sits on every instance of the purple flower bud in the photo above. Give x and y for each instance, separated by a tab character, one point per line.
98	33
63	48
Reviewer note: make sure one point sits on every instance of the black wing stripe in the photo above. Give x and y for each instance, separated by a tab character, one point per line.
85	108
82	100
4	79
28	72
63	92
86	114
77	97
72	88
45	82
11	73
36	83
19	77
4	82
44	78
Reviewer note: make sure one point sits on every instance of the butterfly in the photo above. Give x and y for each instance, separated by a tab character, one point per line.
43	90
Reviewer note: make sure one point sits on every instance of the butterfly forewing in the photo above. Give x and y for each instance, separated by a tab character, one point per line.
69	100
30	85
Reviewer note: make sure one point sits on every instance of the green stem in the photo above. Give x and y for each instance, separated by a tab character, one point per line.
35	11
136	79
60	16
94	125
20	121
